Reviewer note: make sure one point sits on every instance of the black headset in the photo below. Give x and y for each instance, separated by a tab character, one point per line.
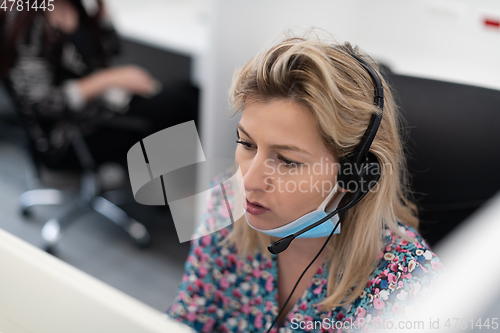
359	172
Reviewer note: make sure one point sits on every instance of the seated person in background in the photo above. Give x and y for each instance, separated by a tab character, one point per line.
56	65
306	104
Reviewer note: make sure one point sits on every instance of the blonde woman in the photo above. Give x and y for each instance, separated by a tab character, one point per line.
306	105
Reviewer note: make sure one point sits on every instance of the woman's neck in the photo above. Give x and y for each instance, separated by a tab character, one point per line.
291	264
301	251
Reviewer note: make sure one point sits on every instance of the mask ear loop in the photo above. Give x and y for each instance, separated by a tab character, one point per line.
325	202
328	206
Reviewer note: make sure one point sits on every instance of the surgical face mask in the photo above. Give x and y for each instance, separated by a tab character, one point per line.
323	230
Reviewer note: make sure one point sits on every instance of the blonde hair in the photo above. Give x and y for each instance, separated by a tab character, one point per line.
323	76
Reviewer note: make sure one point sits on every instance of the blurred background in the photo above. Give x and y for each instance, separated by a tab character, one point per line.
440	56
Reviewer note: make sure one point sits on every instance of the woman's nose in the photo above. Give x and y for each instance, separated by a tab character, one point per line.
256	176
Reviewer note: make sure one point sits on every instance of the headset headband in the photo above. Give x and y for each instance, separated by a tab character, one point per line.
361	150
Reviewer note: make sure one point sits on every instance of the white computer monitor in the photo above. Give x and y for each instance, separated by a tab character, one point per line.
40	293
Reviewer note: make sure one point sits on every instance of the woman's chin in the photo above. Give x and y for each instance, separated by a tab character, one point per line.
259	223
252	221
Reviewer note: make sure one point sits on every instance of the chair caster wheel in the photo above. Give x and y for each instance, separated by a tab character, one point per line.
51	233
50	249
139	234
25	212
142	244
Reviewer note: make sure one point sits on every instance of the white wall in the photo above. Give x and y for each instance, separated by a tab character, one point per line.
438	39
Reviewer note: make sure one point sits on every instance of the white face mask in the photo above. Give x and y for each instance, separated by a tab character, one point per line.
323	230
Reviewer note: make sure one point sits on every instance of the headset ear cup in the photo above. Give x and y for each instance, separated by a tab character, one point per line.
370	176
346	176
359	177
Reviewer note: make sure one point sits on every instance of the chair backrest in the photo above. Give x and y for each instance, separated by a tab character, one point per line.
15	128
453	147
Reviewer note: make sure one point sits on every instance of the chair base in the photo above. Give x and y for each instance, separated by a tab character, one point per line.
53	229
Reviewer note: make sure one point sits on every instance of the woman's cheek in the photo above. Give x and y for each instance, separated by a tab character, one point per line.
238	157
243	161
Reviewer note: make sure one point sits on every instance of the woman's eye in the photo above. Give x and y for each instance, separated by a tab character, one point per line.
288	163
247	145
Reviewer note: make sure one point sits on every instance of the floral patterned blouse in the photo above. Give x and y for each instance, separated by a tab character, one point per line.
221	293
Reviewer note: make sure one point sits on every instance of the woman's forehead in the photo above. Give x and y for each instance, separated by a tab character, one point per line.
282	122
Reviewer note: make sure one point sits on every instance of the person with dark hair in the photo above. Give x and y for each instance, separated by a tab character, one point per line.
56	65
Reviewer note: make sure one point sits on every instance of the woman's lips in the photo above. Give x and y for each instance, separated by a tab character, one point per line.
253	209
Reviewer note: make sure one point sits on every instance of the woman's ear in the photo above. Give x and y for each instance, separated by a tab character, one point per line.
337	197
343	190
340	188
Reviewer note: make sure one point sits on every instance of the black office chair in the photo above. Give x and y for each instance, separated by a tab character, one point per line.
90	196
454	148
11	128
